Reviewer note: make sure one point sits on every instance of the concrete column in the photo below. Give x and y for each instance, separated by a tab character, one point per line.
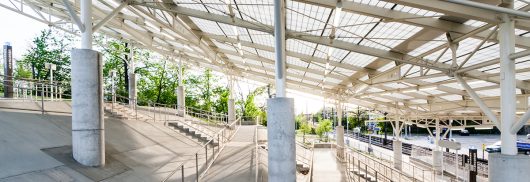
88	134
340	132
281	139
132	80
508	167
506	38
437	161
231	110
437	156
396	145
181	101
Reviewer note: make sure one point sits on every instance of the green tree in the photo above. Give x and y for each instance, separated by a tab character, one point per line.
323	127
50	46
305	128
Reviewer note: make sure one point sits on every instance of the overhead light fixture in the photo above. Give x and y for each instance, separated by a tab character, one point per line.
483	127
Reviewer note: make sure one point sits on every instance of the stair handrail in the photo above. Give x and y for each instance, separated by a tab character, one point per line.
220	147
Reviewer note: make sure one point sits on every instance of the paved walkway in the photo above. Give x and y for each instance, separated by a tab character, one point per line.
326	167
237	160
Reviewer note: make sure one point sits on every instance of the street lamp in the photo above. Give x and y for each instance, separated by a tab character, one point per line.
51	67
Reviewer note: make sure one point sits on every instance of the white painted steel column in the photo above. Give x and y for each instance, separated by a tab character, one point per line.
340	132
132	78
506	38
86	19
279	37
181	99
231	101
280	112
437	154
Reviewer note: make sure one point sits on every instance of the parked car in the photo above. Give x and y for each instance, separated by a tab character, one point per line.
528	136
522	147
464	133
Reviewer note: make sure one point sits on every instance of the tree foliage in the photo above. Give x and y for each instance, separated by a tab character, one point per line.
50	46
323	127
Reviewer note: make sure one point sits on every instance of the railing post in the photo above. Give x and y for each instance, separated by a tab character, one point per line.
197	166
42	102
206	154
182	170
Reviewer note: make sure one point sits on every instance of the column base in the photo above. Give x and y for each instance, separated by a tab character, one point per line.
396	145
281	139
437	161
340	141
508	167
88	133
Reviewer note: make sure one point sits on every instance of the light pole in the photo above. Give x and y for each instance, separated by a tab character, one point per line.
51	67
113	89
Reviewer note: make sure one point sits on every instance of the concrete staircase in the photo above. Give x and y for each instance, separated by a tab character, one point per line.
192	127
197	131
123	112
366	175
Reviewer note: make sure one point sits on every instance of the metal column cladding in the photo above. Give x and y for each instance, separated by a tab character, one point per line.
8	70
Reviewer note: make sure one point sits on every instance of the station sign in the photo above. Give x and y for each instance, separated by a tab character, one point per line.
450	144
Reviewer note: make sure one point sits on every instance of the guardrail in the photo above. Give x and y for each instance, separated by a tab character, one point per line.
31	88
224	136
463	159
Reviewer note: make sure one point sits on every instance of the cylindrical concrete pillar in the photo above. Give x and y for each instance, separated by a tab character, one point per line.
437	158
340	142
181	101
132	89
281	139
396	145
231	110
88	136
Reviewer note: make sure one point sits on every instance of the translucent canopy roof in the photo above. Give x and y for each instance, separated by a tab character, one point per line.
392	55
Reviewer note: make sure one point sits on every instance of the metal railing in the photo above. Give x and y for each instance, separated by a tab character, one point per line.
409	172
32	89
204	156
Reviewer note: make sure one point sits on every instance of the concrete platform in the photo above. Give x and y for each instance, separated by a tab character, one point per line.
326	166
149	150
236	163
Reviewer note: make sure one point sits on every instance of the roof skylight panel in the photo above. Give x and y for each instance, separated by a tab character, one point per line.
300	46
421	12
262	38
429	45
401	96
296	79
193	4
436	79
207	26
221	45
261	11
295	61
316	66
491	93
452	97
216	6
302	17
357	59
391	34
266	54
387	66
343	71
354	25
314	76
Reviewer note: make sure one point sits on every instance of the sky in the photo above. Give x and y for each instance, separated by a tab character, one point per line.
20	30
